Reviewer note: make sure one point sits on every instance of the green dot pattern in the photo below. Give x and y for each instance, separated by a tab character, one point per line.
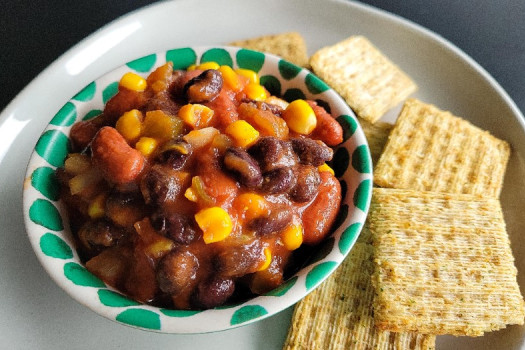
92	114
294	94
110	91
348	236
181	58
53	146
140	318
43	212
272	84
66	116
221	56
248	59
44	181
143	64
114	299
362	194
341	217
361	160
318	273
348	124
340	161
247	313
87	93
315	85
322	250
283	288
78	274
55	247
288	70
180	313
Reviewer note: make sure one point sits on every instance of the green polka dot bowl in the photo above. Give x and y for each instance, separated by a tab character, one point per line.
47	224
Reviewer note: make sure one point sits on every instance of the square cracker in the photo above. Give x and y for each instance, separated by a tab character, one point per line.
377	136
290	46
338	314
433	150
369	82
443	264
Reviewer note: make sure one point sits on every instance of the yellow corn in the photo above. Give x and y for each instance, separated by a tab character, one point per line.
133	82
146	146
96	208
190	194
161	126
255	92
196	115
300	117
230	78
208	65
215	224
267	259
292	237
325	167
129	125
192	67
250	74
242	133
159	248
251	205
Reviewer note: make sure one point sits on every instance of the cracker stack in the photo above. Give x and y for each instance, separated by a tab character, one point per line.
338	314
369	82
290	46
377	135
433	150
443	263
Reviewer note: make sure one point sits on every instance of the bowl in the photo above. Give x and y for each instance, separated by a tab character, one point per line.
47	226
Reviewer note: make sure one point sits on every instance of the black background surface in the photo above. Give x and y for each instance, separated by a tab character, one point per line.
34	33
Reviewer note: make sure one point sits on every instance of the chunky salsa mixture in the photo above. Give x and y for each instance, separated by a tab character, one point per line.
196	187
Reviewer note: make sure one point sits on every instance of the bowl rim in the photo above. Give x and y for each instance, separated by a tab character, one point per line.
91	292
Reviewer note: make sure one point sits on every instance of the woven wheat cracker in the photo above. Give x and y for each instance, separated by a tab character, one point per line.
433	150
369	82
377	135
338	314
290	46
443	263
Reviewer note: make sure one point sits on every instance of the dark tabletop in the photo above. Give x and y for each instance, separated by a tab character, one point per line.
34	33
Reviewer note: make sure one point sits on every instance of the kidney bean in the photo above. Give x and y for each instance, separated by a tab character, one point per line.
97	235
125	100
82	132
213	292
163	101
272	153
320	215
239	259
176	226
175	154
276	220
124	209
176	271
328	129
311	152
279	180
308	181
245	169
160	185
205	87
118	162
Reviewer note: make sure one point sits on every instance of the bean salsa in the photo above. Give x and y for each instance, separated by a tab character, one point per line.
194	188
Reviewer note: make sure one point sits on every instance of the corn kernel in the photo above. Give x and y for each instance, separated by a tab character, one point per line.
96	208
267	259
146	146
129	125
215	224
230	78
133	82
326	167
191	67
242	133
300	117
208	65
255	92
161	126
292	237
159	248
196	115
251	205
190	195
250	74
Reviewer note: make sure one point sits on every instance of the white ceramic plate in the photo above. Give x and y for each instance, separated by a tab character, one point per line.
35	313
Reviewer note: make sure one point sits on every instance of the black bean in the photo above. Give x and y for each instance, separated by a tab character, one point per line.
175	154
175	226
239	260
213	292
204	87
160	185
312	152
243	167
277	220
308	181
272	153
279	180
176	271
98	235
